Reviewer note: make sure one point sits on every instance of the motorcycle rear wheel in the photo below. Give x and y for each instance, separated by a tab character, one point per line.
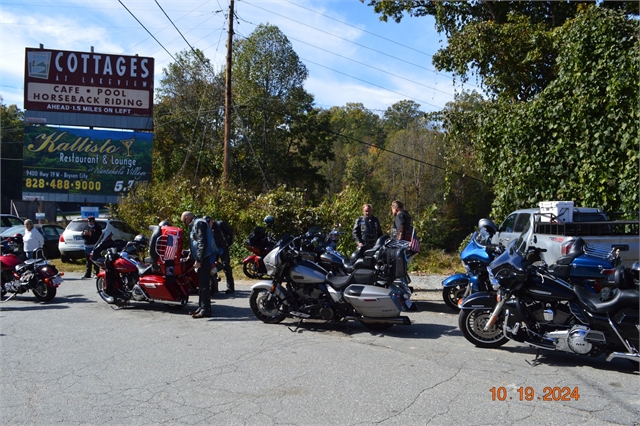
264	309
250	270
43	292
472	322
451	296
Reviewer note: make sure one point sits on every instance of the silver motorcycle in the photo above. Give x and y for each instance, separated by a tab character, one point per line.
304	290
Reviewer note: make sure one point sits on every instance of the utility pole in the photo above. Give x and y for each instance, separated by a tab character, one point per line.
227	101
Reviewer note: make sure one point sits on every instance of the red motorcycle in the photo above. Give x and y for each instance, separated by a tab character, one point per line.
170	278
260	243
20	276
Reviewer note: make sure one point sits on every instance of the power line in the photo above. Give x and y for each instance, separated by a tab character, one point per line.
342	38
145	28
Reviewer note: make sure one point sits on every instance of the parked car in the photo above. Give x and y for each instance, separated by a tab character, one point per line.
71	245
50	232
9	220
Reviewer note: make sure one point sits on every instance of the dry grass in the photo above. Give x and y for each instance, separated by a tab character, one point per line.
436	262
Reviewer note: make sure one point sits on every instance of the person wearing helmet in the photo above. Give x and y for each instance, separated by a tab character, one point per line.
366	229
269	221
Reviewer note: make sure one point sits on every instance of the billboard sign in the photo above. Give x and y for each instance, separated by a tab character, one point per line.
76	164
59	81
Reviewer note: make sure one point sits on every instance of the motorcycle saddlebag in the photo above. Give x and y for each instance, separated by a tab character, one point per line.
156	288
372	301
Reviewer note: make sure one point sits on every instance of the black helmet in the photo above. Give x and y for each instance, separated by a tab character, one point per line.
488	223
140	240
269	220
164	223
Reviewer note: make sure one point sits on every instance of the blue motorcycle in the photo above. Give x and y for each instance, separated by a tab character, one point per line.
585	267
476	256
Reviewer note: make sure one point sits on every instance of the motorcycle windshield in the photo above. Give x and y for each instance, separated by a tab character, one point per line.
509	268
274	258
476	250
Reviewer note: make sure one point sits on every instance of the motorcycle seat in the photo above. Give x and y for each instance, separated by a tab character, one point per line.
622	299
145	269
576	250
339	282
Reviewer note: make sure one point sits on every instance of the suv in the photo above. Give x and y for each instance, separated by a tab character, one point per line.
8	221
71	244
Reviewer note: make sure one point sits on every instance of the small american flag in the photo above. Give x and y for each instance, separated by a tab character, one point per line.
414	245
172	246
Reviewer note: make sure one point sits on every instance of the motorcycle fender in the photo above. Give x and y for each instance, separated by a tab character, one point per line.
266	285
252	259
456	280
479	301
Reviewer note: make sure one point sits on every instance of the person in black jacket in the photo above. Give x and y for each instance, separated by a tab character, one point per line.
223	234
91	234
366	230
402	227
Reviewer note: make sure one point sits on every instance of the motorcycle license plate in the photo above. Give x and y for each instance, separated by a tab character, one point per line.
57	280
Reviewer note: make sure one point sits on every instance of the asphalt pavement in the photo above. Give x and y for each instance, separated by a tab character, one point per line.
79	361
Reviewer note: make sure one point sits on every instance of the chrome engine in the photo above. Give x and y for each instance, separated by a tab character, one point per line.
557	314
579	339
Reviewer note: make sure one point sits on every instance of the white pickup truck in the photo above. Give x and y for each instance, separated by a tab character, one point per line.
590	224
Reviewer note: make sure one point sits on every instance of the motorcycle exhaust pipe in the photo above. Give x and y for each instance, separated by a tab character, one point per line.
387	320
630	357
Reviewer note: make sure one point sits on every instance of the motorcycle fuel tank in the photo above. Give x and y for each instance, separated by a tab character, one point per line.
306	272
373	301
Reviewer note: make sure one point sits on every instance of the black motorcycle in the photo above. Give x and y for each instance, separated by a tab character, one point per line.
536	307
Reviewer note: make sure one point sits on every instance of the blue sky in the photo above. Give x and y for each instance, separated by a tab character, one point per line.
350	54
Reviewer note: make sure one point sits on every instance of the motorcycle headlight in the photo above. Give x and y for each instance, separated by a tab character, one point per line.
493	280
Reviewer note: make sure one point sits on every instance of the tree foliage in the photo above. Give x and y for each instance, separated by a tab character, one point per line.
505	43
578	140
279	124
189	119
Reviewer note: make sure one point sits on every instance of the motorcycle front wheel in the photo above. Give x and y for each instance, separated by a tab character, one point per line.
472	322
265	307
451	296
101	287
43	292
250	270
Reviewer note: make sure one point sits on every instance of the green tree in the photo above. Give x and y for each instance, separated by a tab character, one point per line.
505	43
353	160
11	137
189	119
401	115
282	134
578	140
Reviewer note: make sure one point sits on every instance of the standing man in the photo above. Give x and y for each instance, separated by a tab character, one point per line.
402	228
204	252
223	235
366	230
91	234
